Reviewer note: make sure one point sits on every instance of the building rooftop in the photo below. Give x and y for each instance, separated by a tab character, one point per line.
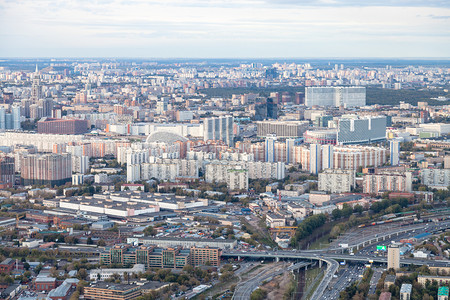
45	279
60	291
406	288
188	239
7	261
443	291
112	286
390	278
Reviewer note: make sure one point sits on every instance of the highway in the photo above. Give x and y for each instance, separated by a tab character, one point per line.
326	256
244	290
363	238
332	267
344	277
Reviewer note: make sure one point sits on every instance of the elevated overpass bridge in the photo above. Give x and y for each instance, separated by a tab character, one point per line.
323	257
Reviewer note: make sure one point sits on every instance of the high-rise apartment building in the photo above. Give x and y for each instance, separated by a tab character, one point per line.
10	120
327	156
270	148
219	129
266	110
162	105
290	143
438	178
393	257
217	171
395	151
7	171
47	107
237	179
335	96
52	169
387	180
336	181
315	158
341	157
81	98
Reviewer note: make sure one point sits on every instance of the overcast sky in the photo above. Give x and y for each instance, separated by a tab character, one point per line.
224	28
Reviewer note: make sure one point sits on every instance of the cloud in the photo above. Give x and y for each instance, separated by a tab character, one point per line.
362	3
216	28
439	17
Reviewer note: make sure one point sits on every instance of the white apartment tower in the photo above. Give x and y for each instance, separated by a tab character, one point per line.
219	129
270	148
237	179
315	158
395	151
327	156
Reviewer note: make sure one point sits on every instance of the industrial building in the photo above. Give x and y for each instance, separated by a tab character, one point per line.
165	242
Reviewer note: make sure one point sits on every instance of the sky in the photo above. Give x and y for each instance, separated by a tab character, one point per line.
225	28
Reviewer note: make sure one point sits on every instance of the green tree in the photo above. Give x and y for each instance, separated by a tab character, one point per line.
82	274
336	213
258	294
150	231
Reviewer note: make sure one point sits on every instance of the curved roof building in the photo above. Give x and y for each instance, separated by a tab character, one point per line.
165	137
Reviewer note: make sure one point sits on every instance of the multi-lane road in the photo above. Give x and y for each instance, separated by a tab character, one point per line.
244	290
342	279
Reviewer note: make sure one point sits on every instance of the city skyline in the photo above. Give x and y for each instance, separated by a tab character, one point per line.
228	29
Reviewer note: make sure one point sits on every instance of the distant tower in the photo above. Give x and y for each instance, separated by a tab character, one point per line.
15	111
36	87
327	156
270	147
315	158
395	150
289	150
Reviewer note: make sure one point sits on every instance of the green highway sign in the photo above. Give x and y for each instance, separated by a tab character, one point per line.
380	247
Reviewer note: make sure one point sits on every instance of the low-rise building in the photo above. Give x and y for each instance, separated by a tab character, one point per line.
103	274
389	280
275	220
405	291
7	265
441	280
44	283
319	198
64	291
166	242
110	291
